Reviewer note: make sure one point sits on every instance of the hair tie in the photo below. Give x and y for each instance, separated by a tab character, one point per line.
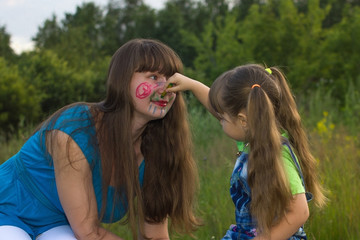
255	85
268	70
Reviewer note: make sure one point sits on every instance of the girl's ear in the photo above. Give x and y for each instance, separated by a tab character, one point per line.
242	119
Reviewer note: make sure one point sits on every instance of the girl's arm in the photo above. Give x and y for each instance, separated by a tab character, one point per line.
183	83
294	219
158	231
75	188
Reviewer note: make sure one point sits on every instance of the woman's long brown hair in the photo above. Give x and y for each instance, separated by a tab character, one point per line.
267	112
170	178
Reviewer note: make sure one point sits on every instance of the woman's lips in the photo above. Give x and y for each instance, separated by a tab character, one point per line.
161	103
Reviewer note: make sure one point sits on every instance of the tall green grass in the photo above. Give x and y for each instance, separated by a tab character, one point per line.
337	151
338	154
11	146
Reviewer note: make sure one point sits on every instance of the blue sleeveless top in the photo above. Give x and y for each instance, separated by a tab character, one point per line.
28	194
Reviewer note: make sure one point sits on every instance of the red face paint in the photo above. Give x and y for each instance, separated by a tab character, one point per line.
143	90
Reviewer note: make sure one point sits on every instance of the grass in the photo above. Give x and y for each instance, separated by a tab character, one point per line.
338	154
339	160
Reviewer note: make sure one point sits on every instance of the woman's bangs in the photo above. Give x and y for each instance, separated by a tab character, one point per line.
155	59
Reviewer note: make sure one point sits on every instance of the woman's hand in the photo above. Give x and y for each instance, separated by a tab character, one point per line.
156	231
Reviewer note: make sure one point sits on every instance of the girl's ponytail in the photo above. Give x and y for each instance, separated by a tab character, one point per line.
290	120
265	160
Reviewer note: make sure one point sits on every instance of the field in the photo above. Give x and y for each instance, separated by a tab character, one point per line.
336	149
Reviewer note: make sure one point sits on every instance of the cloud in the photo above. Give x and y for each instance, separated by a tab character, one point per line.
21	44
13	3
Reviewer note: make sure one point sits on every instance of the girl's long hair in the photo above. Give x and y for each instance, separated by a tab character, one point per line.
232	92
290	120
170	177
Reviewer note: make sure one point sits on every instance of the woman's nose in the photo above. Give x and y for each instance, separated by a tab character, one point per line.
162	79
161	84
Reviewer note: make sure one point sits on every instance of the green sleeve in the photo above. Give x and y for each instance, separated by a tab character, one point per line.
292	173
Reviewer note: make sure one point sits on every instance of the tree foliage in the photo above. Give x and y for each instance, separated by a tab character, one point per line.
314	41
5	49
19	103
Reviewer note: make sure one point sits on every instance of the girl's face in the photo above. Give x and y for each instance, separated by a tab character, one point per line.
234	127
147	90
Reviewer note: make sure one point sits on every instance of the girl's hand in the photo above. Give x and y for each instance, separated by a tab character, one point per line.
179	82
183	83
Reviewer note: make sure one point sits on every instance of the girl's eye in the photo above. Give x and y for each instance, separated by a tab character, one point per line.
153	77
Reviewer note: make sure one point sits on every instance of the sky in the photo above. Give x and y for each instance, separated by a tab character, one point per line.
22	18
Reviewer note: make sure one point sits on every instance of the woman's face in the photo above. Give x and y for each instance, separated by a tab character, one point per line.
147	90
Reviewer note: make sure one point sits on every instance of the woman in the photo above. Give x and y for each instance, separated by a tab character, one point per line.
97	162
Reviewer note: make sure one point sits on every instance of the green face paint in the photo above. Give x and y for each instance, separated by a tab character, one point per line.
155	97
164	93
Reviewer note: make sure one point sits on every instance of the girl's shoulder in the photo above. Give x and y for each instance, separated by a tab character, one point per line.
291	168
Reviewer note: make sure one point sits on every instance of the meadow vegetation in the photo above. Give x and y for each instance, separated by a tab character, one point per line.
335	145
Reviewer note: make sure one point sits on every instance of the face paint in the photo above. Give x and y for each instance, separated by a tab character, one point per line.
143	90
164	93
163	111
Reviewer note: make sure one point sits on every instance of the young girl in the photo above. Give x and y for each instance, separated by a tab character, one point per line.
128	155
274	175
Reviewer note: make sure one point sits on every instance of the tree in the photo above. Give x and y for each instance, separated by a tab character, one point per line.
78	38
19	105
137	21
56	83
5	50
341	66
49	35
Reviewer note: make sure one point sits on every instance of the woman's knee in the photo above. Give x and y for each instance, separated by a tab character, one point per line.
11	232
58	233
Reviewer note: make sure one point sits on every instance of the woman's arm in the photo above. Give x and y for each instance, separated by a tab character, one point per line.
158	231
74	184
183	83
294	219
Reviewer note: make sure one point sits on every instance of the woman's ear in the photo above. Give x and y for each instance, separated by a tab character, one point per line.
242	119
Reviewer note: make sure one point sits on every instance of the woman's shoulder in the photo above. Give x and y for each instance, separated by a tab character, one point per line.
75	110
72	116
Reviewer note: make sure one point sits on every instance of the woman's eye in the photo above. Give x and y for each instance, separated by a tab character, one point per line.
153	77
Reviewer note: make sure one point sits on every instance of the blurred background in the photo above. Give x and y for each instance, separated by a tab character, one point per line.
315	42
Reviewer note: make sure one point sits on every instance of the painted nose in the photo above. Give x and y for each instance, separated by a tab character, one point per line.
161	85
162	79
